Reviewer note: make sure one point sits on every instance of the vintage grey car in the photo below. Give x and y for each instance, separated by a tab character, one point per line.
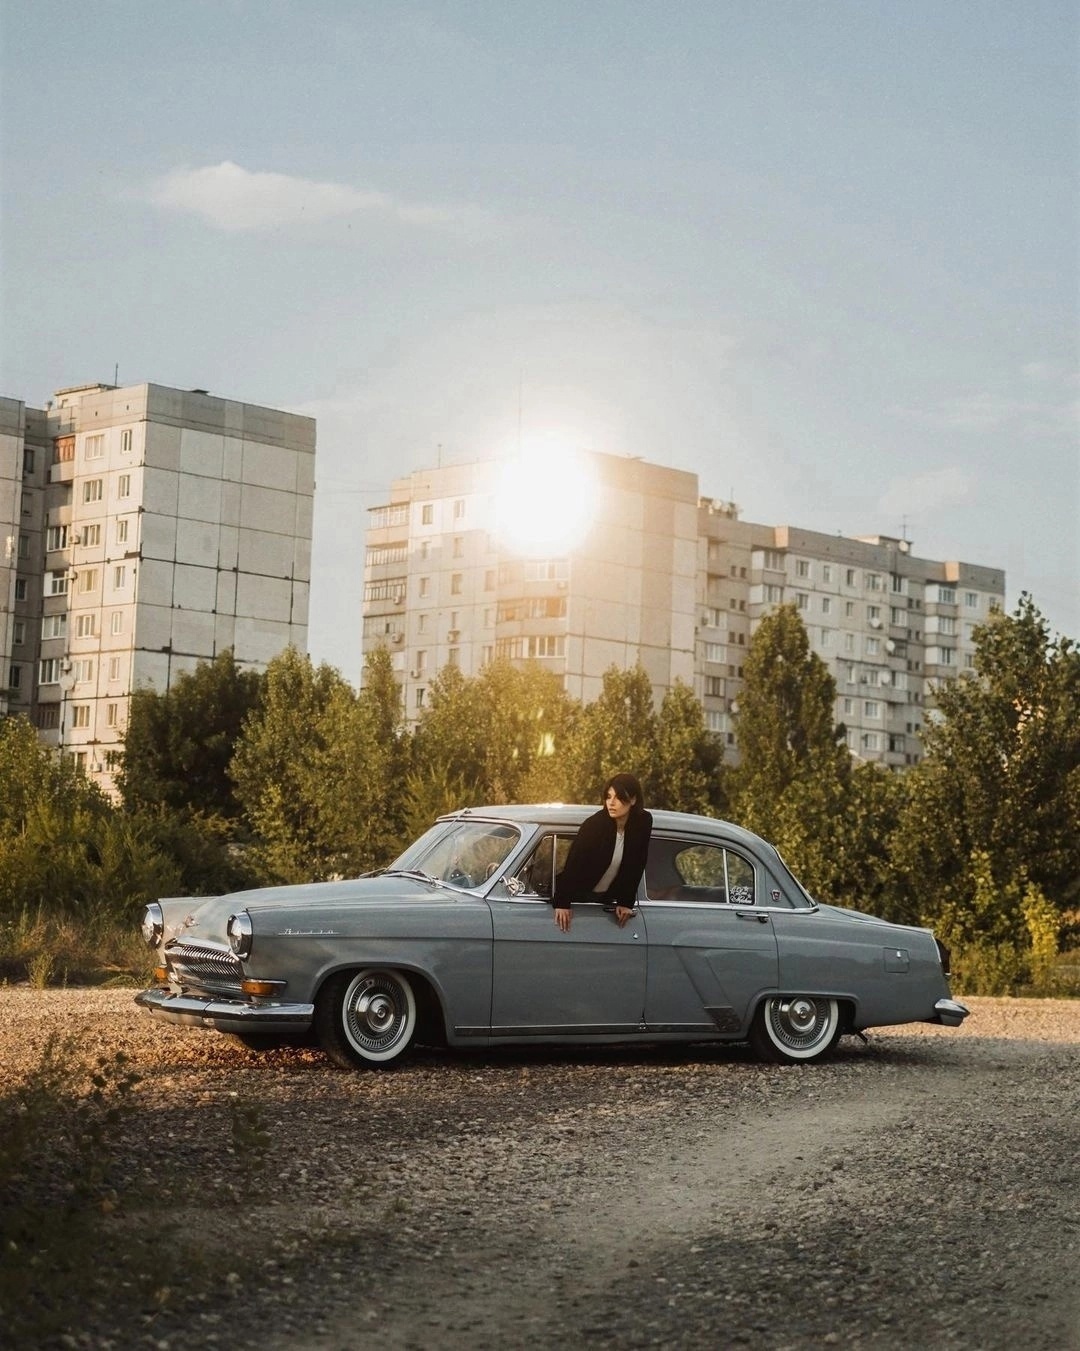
455	943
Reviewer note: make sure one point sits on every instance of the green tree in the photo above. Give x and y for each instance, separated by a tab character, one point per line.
616	733
496	735
795	783
363	809
685	773
179	743
287	767
993	815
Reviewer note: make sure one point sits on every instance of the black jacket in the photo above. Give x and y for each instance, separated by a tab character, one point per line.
590	855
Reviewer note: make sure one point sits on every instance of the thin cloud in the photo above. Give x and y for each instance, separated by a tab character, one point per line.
934	490
992	412
230	197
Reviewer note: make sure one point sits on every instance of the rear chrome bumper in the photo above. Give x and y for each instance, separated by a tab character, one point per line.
949	1013
226	1015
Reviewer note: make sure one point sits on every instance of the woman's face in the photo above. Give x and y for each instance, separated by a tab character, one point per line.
617	809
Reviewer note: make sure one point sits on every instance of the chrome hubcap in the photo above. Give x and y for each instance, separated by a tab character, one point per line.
801	1024
375	1011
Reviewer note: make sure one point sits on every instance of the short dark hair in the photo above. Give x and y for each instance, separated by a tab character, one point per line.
625	787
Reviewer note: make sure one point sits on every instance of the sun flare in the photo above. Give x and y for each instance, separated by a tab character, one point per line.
545	499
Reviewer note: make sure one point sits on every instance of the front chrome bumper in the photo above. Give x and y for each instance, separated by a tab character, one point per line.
950	1013
226	1015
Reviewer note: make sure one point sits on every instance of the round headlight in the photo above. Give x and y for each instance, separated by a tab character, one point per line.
239	931
153	925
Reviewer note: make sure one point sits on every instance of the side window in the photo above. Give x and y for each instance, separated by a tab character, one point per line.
537	874
678	870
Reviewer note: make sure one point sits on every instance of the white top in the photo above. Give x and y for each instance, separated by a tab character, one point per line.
613	866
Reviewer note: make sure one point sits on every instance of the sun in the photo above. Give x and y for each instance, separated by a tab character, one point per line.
546	498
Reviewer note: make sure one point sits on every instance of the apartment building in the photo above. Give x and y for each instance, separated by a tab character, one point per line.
659	574
155	528
455	573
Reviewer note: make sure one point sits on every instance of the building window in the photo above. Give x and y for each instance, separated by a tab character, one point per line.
80	715
871	741
528	647
389	588
49	671
85	625
117	622
826	572
112	715
88	579
873	581
899	584
123	485
802	567
773	594
56	585
119	580
84	670
849	609
28	460
419	697
898	617
971	600
455	583
773	560
380	518
114	668
459	508
95	447
15	677
849	707
453	657
125	440
851	577
379	554
64	449
18	632
828	638
20	588
92	490
871	708
54	626
459	546
714	687
873	612
826	605
91	534
489	580
56	537
427	514
121	530
421	663
425	586
47	716
802	600
715	652
546	569
873	647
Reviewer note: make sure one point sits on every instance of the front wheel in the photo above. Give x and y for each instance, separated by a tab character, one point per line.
366	1018
795	1029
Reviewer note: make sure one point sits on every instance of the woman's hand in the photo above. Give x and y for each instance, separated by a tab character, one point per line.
563	916
622	914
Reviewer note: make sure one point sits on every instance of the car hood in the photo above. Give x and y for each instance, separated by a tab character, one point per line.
205	918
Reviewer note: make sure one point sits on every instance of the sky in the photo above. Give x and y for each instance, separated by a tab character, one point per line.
823	253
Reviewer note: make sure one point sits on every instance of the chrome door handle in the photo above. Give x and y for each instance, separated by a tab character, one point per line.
761	919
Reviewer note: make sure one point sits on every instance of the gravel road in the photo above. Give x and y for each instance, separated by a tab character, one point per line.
919	1191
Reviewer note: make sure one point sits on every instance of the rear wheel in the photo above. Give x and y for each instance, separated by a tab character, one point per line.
366	1018
794	1029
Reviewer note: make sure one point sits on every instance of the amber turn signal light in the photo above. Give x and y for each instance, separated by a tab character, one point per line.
262	989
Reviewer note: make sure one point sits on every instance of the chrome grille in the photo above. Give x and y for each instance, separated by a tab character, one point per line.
206	966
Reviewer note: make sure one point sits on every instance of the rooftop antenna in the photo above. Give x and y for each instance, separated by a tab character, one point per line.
438	455
903	528
116	374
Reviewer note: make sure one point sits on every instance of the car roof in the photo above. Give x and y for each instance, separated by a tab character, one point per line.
572	814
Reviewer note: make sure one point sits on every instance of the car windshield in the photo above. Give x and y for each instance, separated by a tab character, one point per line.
462	853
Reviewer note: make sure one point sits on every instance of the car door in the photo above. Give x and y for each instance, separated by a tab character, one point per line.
712	946
588	982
